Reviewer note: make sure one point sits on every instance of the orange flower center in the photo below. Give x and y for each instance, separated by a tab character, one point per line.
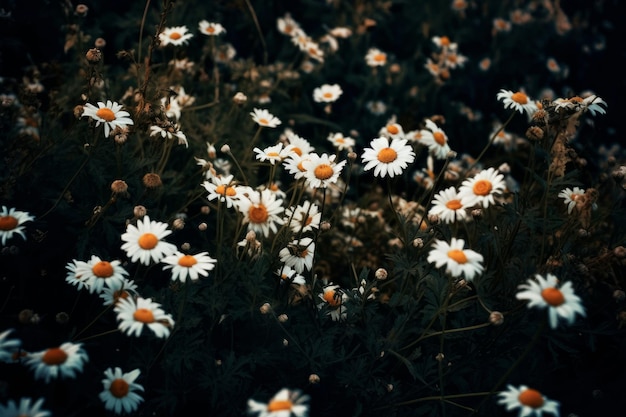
187	261
457	255
576	99
482	187
264	122
387	155
454	204
530	398
119	388
258	214
120	295
380	57
393	129
148	241
278	405
340	140
102	269
210	29
273	154
328	95
54	356
8	223
308	221
143	315
175	35
440	138
331	299
520	98
297	151
106	114
225	190
323	171
553	296
301	167
445	41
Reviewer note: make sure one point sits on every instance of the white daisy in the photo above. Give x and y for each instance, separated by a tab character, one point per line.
303	218
79	281
133	315
294	164
272	154
594	104
144	242
264	118
436	140
321	171
287	25
375	57
570	195
96	273
176	35
119	390
288	274
341	142
298	254
334	299
297	144
210	28
481	189
285	403
12	222
24	409
120	289
109	113
183	265
261	211
388	157
529	401
561	302
223	188
444	43
8	347
517	101
62	361
457	260
392	130
172	132
327	93
448	207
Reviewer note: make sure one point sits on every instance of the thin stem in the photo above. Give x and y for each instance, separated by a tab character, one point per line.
493	137
259	31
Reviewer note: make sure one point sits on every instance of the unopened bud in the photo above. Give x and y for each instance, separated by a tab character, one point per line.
283	318
381	274
314	379
225	148
496	318
139	211
265	308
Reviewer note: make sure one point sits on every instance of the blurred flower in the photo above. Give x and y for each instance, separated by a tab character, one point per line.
321	171
447	206
183	265
133	315
303	218
530	402
24	409
388	158
288	274
272	154
119	390
444	42
481	189
111	114
171	108
436	139
561	302
341	142
327	93
261	211
170	132
518	101
296	143
73	278
287	25
176	35
11	222
62	361
298	254
144	242
375	57
285	403
8	347
210	29
97	273
376	107
570	195
264	118
458	261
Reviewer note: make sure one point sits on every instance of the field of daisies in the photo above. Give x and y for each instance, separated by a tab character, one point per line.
311	208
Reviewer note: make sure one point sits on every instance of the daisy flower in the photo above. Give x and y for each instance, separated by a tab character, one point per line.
392	130
303	218
264	118
287	25
375	57
481	189
561	301
176	35
171	108
321	171
436	140
183	265
327	93
144	242
341	142
447	206
272	154
261	211
172	132
285	403
388	157
133	315
458	261
8	347
119	390
529	401
96	273
444	42
222	187
24	409
517	101
120	289
334	298
210	28
79	281
109	113
570	195
12	222
594	104
297	144
62	361
288	274
294	164
298	254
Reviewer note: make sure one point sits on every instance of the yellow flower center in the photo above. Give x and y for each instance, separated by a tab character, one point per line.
340	140
8	223
264	122
553	296
301	167
380	57
520	98
273	154
54	356
119	388
440	138
143	315
530	398
187	261
148	241
387	155
258	214
175	35
106	114
454	204
331	299
393	129
323	171
327	95
225	190
278	405
482	187
102	269
297	151
457	255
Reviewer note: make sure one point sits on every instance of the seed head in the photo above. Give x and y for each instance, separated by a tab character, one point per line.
152	180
